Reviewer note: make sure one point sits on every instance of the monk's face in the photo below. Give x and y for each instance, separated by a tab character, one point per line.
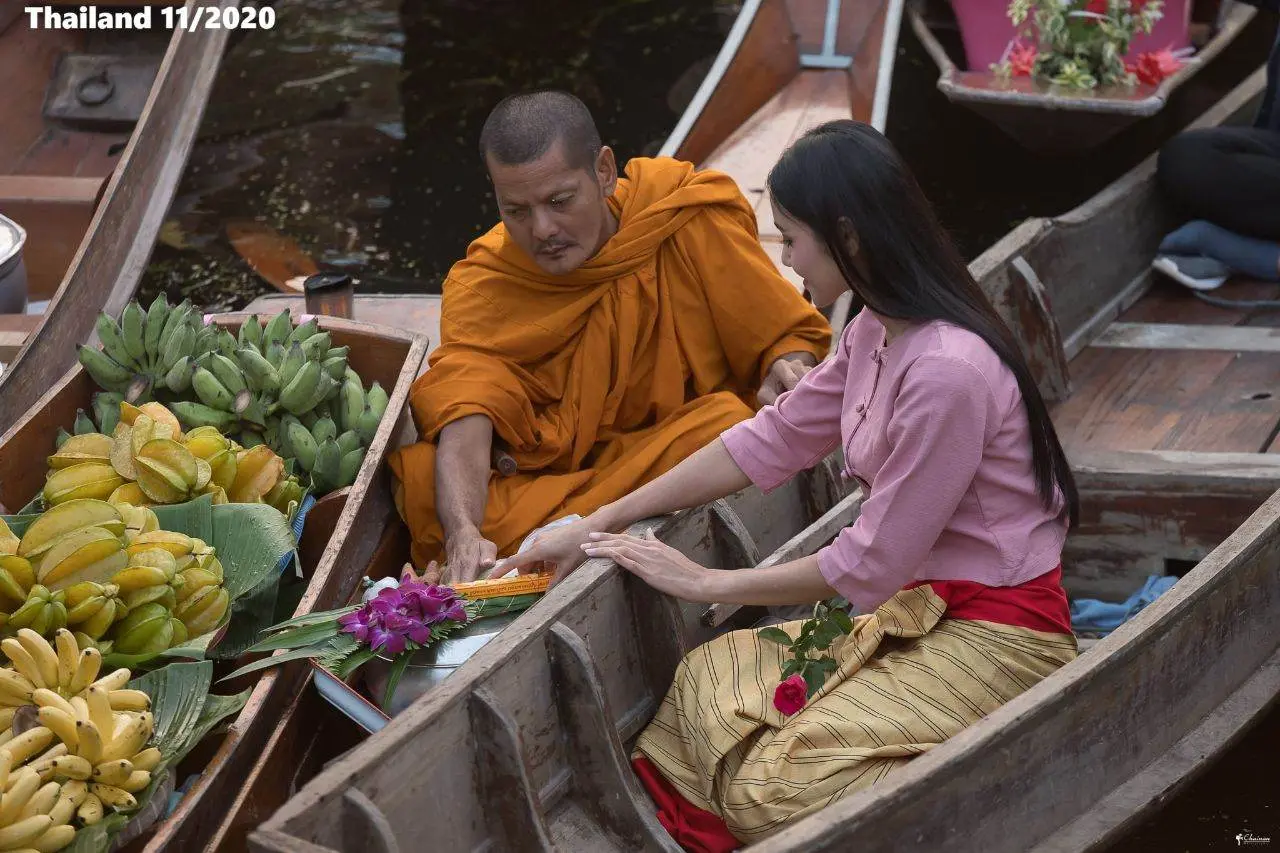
556	210
807	254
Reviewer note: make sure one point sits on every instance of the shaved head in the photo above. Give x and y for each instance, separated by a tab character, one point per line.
522	128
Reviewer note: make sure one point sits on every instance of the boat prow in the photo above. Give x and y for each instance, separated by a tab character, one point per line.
1054	120
93	191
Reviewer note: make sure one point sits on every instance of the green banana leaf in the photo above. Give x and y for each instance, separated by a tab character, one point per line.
185	713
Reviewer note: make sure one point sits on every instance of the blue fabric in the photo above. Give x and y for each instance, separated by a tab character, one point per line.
298	520
1088	615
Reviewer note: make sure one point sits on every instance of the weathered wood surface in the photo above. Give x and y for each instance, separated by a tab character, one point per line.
110	261
14	329
1207	496
1179	336
1045	118
1199	649
1093	262
1148	513
634	636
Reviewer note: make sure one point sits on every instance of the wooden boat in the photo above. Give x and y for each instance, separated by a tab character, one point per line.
768	86
336	535
1050	119
530	732
523	747
96	133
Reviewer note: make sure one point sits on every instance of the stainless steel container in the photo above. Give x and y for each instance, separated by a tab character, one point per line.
432	666
13	274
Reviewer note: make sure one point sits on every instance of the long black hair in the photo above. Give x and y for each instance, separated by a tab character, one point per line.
847	172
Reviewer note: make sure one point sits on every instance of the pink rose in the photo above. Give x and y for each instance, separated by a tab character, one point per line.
790	695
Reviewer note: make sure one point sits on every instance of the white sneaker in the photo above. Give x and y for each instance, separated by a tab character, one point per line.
1197	273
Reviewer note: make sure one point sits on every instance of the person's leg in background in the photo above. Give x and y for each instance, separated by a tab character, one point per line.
1227	181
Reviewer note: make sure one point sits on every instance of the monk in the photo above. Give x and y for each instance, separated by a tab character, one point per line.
605	330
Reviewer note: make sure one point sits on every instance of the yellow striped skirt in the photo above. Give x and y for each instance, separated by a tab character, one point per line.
907	680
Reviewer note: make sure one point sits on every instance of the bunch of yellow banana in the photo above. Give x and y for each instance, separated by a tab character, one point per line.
87	753
111	575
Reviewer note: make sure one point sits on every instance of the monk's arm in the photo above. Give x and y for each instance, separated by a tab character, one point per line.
707	475
462	478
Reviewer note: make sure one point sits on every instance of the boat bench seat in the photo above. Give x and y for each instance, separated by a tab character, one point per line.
55	211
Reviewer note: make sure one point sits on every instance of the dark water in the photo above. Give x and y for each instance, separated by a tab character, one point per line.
351	127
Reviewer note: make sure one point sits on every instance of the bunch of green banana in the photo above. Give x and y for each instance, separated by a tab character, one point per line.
292	388
147	349
275	384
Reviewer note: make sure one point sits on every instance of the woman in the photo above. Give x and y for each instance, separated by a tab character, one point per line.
955	557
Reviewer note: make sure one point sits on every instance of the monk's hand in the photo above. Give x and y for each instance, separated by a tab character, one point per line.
656	563
469	555
784	374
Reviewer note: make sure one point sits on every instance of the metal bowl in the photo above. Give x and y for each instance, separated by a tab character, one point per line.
13	273
432	666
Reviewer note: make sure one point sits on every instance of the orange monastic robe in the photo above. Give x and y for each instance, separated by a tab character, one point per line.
600	380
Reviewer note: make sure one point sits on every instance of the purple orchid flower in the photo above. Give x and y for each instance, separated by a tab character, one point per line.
394	617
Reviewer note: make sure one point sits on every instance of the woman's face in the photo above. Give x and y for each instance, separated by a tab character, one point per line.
805	253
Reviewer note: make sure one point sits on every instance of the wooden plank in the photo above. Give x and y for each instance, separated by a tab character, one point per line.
420	313
1169	302
1128	399
751	150
48	189
1174	336
10	343
864	75
609	790
1140	510
1020	294
827	100
27	58
1163	778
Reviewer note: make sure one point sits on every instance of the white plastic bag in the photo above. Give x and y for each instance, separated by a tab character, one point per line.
533	537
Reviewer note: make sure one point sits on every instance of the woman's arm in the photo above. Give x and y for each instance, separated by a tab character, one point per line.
766	450
667	570
707	475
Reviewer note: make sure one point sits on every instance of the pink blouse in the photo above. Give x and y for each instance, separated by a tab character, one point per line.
934	427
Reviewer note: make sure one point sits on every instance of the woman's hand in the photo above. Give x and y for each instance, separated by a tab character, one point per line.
558	550
657	564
